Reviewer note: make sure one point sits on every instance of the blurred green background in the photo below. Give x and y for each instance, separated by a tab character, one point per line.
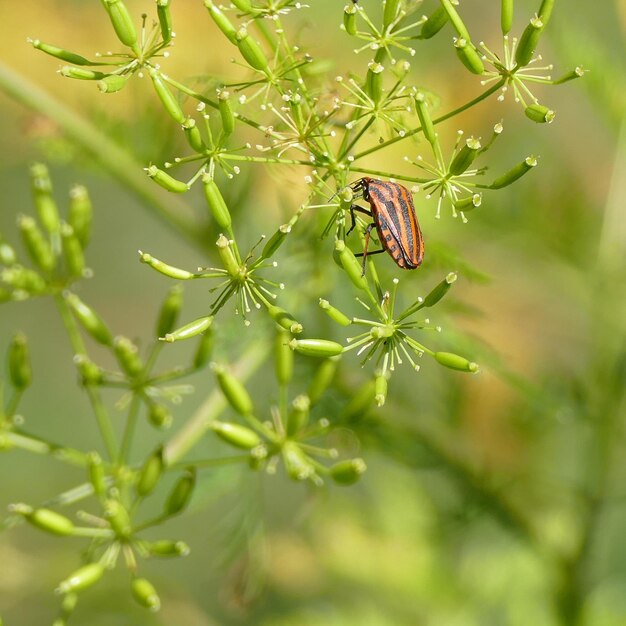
497	499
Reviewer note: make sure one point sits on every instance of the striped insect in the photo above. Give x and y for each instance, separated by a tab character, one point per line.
393	215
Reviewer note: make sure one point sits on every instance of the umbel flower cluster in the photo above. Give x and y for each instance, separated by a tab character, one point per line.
326	127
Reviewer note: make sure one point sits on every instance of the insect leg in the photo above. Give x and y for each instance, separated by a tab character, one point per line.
360	209
368	232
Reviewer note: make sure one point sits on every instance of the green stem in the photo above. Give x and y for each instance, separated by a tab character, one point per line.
129	430
31	443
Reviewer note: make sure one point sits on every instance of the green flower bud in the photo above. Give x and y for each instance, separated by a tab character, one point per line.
322	378
374	81
360	403
236	435
59	53
127	354
226	112
455	20
150	473
426	122
45	519
42	193
229	261
204	349
470	203
112	83
390	11
506	16
334	314
540	114
316	347
465	156
166	181
20	372
284	319
297	464
435	22
298	415
168	548
145	594
380	389
170	309
80	214
233	390
89	320
169	101
349	19
348	472
515	173
351	266
455	362
159	416
121	21
275	241
80	73
251	51
118	518
164	268
36	244
72	251
545	11
90	373
469	56
82	578
7	253
577	72
165	19
189	330
193	136
222	22
216	203
283	358
96	473
528	42
181	493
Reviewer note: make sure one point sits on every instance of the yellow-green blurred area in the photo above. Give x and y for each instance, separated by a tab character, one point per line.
495	499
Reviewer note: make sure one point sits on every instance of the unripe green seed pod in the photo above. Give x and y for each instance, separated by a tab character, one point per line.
374	81
348	472
80	73
236	435
90	373
89	320
159	416
251	51
515	173
170	309
204	349
439	291
469	56
150	473
36	244
222	22
127	354
470	203
145	594
72	251
545	11
166	181
316	347
59	53
435	22
193	136
229	261
528	42
334	314
360	403
164	268
284	319
118	518
112	83
226	112
322	378
121	21
455	362
42	193
181	493
233	390
380	389
455	20
350	265
390	11
283	358
577	72
165	19
82	578
506	16
21	278
349	18
297	464
169	101
45	519
7	253
298	415
20	372
189	330
216	203
168	548
243	5
540	114
465	156
424	116
80	214
275	241
96	473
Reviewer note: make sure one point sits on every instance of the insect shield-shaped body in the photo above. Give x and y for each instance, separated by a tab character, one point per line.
393	214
